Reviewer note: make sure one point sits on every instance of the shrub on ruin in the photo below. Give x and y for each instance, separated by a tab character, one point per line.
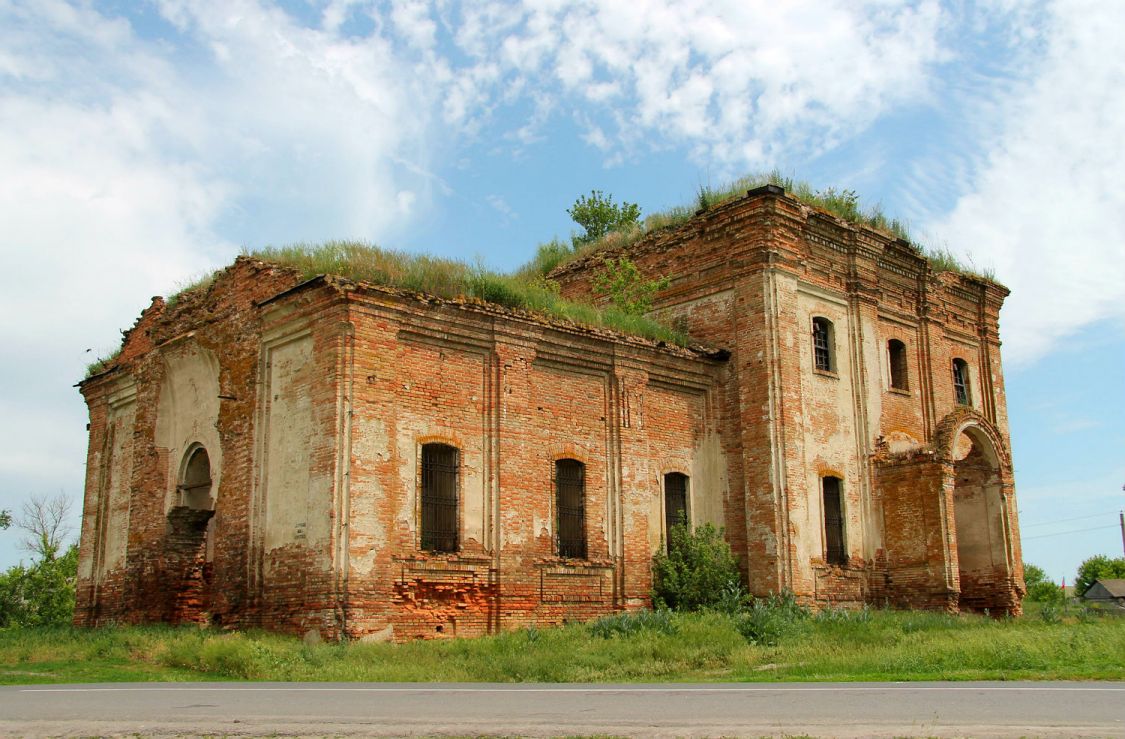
697	570
626	287
598	215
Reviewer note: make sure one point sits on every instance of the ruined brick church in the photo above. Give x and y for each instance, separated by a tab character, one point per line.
375	463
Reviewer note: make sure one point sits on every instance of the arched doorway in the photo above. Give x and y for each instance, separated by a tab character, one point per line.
190	543
983	563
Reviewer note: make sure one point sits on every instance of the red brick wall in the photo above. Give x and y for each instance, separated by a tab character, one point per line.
748	276
513	398
328	391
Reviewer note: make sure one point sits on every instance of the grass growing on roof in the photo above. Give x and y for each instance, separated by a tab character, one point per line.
831	645
450	278
102	363
842	203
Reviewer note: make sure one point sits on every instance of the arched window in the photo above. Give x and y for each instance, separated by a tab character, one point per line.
896	353
439	498
824	353
675	503
570	507
961	382
195	482
835	553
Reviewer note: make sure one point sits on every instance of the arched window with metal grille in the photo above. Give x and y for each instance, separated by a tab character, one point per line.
570	507
439	498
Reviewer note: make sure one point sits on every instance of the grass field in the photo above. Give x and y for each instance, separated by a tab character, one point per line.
833	645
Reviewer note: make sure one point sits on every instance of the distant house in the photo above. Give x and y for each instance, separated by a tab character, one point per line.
1107	591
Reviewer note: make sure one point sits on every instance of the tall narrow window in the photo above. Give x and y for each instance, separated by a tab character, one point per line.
823	358
570	503
896	352
961	382
195	488
834	551
439	498
675	502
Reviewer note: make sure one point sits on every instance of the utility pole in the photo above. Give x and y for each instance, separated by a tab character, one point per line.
1121	516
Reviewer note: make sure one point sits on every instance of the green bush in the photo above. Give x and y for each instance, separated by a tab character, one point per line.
844	615
41	594
1039	588
771	619
1051	613
628	624
697	572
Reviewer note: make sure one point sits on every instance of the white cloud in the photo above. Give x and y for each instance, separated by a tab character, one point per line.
501	206
133	160
1047	206
740	83
135	157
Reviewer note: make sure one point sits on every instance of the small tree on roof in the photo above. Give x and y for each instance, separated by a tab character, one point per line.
599	215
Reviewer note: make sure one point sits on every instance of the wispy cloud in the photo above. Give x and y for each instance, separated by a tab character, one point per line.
1046	203
740	83
134	157
501	206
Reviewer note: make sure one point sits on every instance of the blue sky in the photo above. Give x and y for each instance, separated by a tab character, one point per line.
142	144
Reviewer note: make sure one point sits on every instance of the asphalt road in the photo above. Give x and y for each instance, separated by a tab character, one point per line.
366	709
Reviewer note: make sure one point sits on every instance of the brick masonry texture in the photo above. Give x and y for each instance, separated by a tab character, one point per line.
314	399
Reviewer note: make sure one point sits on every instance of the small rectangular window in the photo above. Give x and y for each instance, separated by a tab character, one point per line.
896	353
834	550
675	503
822	345
570	503
961	382
439	498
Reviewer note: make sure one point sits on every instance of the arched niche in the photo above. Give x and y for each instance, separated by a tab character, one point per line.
196	485
979	516
187	418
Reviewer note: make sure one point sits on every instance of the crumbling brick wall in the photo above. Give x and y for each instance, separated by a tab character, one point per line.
316	398
750	275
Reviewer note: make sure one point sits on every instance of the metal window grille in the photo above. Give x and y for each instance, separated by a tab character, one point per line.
961	381
822	351
897	351
675	502
570	501
833	523
439	498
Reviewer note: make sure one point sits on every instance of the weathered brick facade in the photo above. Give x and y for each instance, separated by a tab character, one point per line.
312	405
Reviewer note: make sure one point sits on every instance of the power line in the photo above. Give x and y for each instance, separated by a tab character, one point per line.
1062	533
1065	520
